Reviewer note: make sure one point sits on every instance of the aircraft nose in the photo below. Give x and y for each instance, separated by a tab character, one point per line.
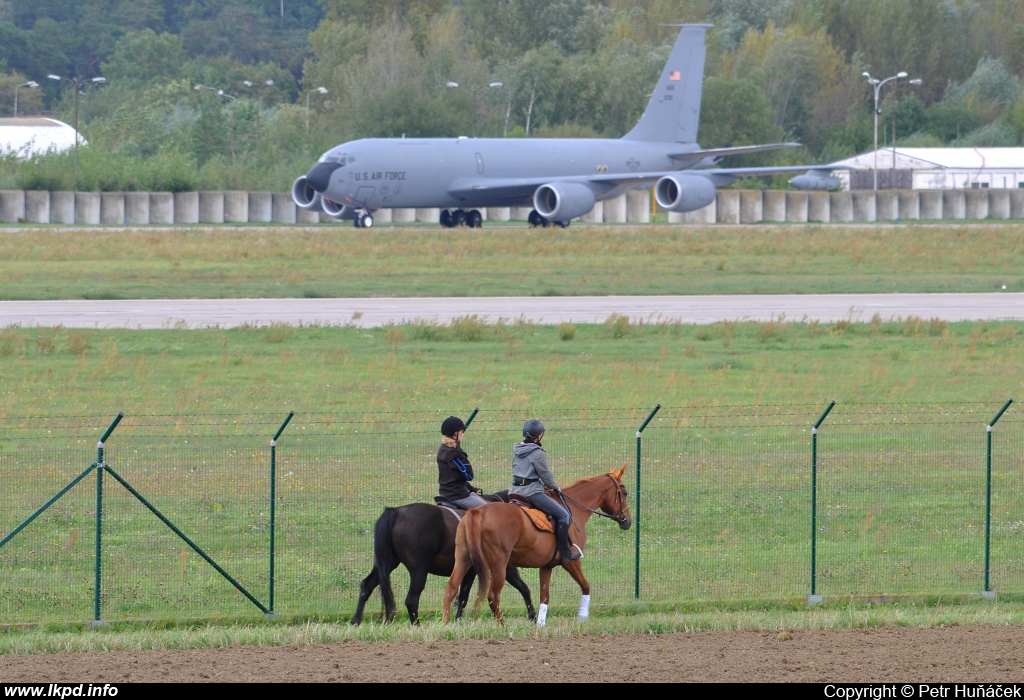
319	176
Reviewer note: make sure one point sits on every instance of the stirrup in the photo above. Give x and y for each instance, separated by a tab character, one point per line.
573	554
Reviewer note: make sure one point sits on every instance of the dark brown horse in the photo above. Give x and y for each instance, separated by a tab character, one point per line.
499	535
422	537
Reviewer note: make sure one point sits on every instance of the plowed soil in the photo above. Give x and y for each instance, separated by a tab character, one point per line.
891	654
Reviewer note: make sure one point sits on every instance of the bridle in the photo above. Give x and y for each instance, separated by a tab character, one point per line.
619	496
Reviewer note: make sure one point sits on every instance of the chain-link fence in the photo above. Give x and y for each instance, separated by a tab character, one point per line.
736	503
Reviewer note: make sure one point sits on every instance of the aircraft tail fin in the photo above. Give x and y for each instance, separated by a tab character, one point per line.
673	112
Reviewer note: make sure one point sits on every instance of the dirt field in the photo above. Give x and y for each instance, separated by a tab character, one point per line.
951	654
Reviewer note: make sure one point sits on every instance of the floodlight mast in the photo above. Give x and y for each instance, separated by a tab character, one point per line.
877	85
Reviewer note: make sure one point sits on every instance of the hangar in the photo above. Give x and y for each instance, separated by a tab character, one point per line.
935	169
34	136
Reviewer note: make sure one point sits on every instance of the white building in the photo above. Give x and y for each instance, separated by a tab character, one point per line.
935	169
29	136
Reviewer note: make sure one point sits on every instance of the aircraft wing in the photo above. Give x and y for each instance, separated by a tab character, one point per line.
510	188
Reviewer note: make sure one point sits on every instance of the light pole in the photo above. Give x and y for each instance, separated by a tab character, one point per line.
76	83
259	89
877	84
30	84
473	89
322	91
231	131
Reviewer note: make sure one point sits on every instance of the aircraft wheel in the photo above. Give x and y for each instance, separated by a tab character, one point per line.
535	219
474	219
459	217
561	224
446	218
365	220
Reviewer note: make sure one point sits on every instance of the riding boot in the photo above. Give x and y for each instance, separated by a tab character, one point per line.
564	550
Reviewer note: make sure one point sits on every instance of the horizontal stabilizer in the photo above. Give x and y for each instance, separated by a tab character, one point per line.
731	151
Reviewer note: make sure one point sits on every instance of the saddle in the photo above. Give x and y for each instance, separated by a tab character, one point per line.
539	518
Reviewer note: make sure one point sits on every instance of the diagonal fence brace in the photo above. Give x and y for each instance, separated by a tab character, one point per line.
241	589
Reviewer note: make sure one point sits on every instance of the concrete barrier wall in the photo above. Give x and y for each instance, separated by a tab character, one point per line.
773	206
161	208
282	208
211	207
729	207
87	207
887	206
12	206
931	205
796	207
819	206
638	207
112	208
186	207
751	206
909	205
261	207
37	207
236	207
615	210
136	208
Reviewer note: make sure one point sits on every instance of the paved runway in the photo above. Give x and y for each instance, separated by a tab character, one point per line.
371	312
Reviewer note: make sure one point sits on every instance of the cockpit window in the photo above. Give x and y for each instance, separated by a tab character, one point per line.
339	158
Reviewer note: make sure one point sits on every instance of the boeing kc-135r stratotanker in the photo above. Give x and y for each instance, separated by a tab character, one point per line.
560	178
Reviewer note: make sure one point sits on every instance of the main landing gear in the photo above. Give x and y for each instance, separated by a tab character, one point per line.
460	217
364	219
535	219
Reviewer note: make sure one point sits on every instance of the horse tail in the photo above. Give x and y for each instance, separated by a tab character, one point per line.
474	542
384	558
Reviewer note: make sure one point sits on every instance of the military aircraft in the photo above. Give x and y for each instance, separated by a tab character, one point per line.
560	178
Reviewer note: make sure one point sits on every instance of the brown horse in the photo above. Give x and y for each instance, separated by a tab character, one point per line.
498	535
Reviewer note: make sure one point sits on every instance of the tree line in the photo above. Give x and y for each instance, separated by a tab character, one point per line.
776	70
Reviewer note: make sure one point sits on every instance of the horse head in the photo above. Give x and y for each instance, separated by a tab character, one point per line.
616	502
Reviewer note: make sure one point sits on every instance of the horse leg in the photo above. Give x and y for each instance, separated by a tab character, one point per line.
366	589
494	597
575	569
545	595
417	582
514	580
452	587
464	590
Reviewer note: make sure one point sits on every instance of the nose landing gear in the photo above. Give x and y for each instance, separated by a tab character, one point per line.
364	219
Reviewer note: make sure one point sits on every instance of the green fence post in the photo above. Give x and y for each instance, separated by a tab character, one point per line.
988	592
636	513
99	514
814	598
273	502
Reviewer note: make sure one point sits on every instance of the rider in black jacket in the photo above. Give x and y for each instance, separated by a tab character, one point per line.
454	472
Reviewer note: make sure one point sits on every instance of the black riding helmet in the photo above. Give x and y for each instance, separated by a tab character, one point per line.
533	428
452	425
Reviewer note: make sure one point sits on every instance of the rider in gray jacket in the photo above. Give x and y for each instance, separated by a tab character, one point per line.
530	475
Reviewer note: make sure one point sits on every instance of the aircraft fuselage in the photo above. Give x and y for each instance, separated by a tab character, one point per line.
378	173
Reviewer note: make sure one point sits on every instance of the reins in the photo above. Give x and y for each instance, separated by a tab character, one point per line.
618	494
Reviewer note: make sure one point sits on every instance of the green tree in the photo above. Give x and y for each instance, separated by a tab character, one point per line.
736	113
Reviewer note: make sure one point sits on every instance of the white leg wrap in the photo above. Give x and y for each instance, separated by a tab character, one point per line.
584	607
542	614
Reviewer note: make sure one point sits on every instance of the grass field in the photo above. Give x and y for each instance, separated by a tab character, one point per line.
341	261
726	494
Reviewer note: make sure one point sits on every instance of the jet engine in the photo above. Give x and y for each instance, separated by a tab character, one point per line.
304	195
563	201
684	192
338	211
815	180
